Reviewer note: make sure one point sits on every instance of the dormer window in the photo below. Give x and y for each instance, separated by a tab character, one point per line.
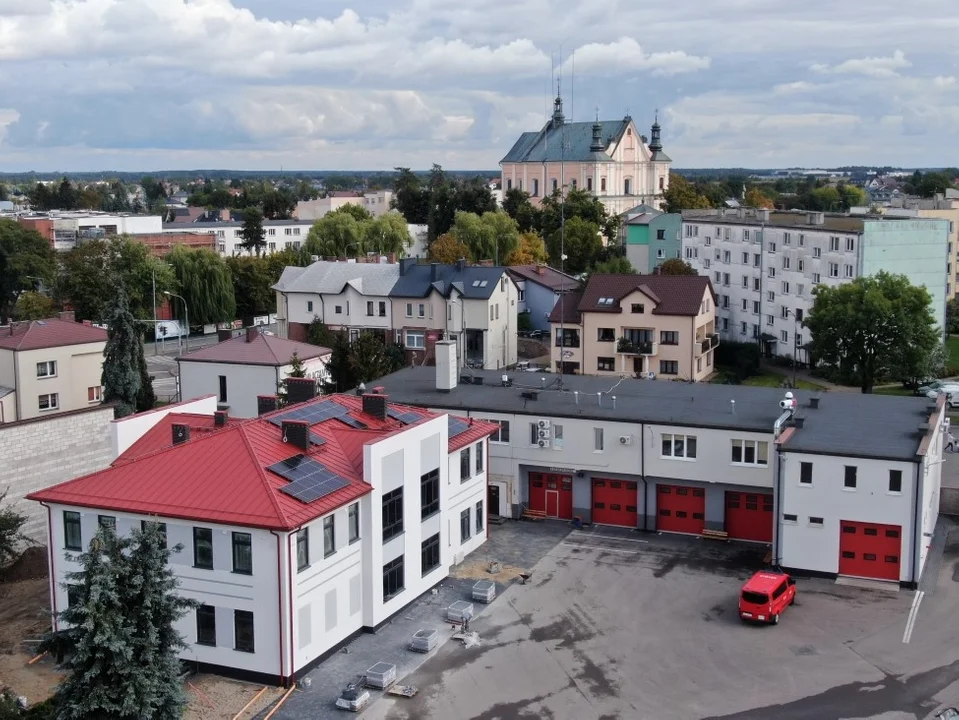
606	301
476	283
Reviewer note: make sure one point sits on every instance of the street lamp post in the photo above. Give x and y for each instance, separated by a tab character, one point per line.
186	313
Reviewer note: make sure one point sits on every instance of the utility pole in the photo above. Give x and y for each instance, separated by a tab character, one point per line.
156	333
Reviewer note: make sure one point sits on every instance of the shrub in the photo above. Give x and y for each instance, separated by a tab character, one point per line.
740	358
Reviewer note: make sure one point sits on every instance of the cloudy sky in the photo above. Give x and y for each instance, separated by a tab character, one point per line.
371	84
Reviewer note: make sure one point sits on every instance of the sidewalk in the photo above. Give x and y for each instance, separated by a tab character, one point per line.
805	375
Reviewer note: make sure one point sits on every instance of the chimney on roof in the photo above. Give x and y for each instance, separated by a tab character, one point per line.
376	404
181	433
265	404
445	352
67	316
296	433
798	421
219	418
406	264
461	265
434	271
299	390
223	335
540	269
252	333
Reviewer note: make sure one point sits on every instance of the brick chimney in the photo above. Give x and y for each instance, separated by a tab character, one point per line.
300	390
296	433
220	418
252	333
540	269
67	316
376	405
223	335
265	404
181	433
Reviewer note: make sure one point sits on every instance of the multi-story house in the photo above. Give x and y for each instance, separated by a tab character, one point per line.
539	288
765	264
609	159
474	305
642	325
278	234
651	238
66	229
838	484
376	202
343	295
943	206
49	367
301	528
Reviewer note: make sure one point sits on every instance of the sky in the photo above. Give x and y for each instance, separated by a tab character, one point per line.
139	85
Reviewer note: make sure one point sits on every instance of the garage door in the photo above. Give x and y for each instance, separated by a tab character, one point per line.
680	509
615	502
552	494
749	516
870	550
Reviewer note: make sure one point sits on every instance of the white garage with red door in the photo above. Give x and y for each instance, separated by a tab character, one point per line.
870	550
615	502
680	508
749	516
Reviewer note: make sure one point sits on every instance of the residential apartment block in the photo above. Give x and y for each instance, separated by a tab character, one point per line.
838	484
376	202
641	325
67	229
301	528
278	234
609	159
651	238
765	264
49	366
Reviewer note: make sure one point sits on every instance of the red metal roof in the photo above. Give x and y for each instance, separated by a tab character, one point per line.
260	350
220	474
53	332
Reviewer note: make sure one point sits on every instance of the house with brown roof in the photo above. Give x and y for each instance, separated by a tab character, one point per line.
240	368
49	366
652	326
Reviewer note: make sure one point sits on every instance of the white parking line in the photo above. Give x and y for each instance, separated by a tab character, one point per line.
600	547
608	537
913	613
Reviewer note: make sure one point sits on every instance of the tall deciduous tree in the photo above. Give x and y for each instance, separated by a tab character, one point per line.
252	280
490	236
336	234
517	205
682	195
24	254
387	233
205	283
873	327
370	357
675	266
252	233
756	199
577	203
410	197
531	250
342	374
33	305
581	243
447	249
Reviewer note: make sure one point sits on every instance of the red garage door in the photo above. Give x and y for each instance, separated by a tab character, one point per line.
749	516
869	550
680	509
552	494
615	502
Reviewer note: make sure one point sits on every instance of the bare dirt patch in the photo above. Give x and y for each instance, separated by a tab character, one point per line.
36	682
23	613
214	698
478	569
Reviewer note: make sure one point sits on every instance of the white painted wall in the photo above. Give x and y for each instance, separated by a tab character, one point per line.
126	431
464	495
243	383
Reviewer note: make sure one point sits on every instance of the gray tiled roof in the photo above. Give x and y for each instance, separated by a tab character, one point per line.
850	424
546	145
330	278
420	280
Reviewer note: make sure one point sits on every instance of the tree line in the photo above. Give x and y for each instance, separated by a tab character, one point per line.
787	194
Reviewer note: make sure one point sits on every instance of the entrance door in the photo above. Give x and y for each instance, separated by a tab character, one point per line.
870	550
749	516
492	500
680	509
615	502
552	503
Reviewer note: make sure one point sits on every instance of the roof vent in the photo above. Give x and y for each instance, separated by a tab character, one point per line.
814	402
181	433
219	418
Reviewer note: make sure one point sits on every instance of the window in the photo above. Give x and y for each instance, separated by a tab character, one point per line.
660	234
393	578
74	595
745	280
421	310
743	328
465	533
833	270
786	239
501	435
833	243
558	436
430	554
800	264
605	335
94	394
817	521
479	517
784	311
757	284
785	288
784	337
798	340
535	188
243	553
679	446
72	537
329	535
815	278
771	272
755	307
309	306
895	481
671	337
627	186
849	477
222	388
805	473
369	307
757	260
429	494
491	313
637	308
602	184
785	263
771	296
338	309
725	302
415	339
800	290
409	309
851	243
817	252
382	308
787	517
598	440
726	279
203	548
745	235
770	320
243	631
605	363
206	625
555	184
802	240
745	304
750	452
49	402
772	247
589	184
47	369
479	457
353	521
669	367
660	253
848	271
465	464
392	514
109	522
727	256
745	258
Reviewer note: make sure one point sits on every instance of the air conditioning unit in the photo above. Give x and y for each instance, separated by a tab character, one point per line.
625	439
544	443
544	424
544	434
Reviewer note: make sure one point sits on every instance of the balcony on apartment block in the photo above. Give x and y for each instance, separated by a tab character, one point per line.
706	342
637	342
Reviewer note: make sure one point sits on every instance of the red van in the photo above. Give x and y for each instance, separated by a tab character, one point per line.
765	595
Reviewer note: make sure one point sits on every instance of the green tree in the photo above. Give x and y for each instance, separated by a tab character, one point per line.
297	370
370	357
872	327
146	397
11	531
581	245
336	234
33	305
616	265
205	283
675	266
4	192
121	378
952	316
319	334
252	285
410	198
342	374
517	205
154	192
387	233
578	203
755	198
24	254
254	237
490	236
531	250
851	196
682	195
825	199
357	212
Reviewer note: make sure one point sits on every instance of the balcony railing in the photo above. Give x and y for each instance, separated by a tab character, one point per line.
708	343
625	346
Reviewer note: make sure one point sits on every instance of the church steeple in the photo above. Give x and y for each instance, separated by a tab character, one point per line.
597	144
558	118
655	143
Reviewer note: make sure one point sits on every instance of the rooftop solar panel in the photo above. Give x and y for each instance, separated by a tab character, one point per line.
407	417
456	426
309	479
314	413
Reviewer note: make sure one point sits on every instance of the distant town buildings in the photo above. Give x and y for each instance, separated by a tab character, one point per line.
376	202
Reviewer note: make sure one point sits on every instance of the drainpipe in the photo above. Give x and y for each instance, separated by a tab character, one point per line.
289	575
917	526
279	596
642	470
19	383
53	574
777	497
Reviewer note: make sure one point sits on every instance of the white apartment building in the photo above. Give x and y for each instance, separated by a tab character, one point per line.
764	265
278	234
301	528
689	458
376	202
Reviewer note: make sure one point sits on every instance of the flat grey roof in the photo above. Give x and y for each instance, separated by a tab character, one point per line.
849	424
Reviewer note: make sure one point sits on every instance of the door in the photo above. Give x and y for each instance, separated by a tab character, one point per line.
615	502
749	516
537	492
680	509
552	503
870	550
492	500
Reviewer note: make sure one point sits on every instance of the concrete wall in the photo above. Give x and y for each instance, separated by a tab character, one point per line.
126	431
35	454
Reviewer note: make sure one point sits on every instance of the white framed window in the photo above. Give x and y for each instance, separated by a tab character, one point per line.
770	320
726	279
727	256
771	295
598	440
790	518
800	290
848	271
709	240
94	394
415	339
745	304
802	240
798	340
680	447
706	263
757	284
772	272
786	239
745	258
745	281
50	401
501	436
817	252
833	270
743	328
660	253
785	263
833	243
784	336
815	521
558	437
851	243
816	278
772	247
409	309
784	312
785	288
800	265
47	368
421	310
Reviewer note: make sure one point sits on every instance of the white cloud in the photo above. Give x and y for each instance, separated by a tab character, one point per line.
626	54
872	66
7	117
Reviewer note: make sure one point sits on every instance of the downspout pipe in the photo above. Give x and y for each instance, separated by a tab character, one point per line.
642	470
780	459
289	576
917	524
279	598
53	575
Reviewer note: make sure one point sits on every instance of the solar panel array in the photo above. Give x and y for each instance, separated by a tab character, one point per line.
457	426
309	479
314	413
407	417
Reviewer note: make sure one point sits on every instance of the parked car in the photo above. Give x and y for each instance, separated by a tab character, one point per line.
765	595
933	387
945	388
949	713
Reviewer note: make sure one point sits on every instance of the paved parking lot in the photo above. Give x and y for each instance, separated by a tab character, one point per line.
622	625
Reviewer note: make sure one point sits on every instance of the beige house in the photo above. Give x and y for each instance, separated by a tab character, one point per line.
49	367
653	326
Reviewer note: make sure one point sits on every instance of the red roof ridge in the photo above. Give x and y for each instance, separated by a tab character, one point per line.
261	471
207	434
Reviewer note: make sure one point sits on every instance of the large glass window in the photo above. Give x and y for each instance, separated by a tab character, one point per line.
354	522
203	548
72	535
329	535
679	446
243	553
479	517
393	578
302	549
749	452
430	554
243	635
206	625
464	464
392	514
465	533
429	494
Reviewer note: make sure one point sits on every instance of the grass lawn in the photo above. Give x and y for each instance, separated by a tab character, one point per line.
952	350
775	380
895	390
